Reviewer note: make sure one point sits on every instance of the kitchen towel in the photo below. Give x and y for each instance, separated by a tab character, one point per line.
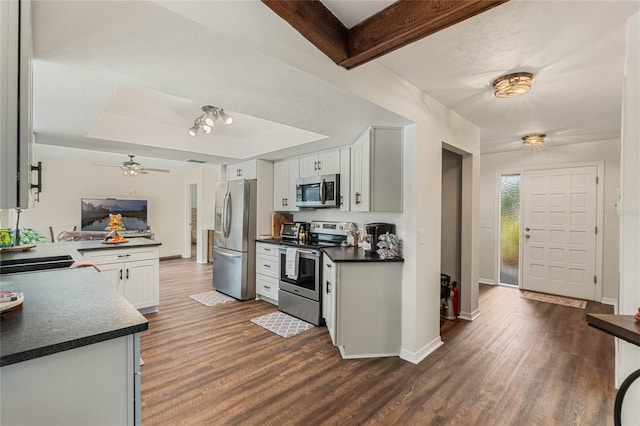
291	265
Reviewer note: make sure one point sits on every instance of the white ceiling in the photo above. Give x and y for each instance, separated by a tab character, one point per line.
130	77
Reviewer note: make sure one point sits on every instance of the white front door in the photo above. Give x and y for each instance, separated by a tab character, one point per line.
559	230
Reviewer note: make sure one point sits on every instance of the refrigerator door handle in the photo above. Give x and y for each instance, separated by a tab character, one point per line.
228	212
227	254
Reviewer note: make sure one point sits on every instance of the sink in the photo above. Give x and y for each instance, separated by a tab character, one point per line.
12	266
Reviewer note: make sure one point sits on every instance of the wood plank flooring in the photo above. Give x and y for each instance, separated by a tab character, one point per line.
520	363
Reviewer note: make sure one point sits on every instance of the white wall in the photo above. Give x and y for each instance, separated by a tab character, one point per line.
515	162
65	182
628	355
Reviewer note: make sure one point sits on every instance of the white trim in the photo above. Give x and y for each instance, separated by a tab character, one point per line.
486	281
469	316
422	353
358	356
609	301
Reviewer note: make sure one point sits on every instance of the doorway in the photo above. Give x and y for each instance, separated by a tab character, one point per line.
451	217
192	235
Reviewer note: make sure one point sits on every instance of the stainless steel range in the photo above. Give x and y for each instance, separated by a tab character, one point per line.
300	294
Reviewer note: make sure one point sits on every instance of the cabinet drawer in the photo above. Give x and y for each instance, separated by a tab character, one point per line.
267	286
263	249
112	256
267	265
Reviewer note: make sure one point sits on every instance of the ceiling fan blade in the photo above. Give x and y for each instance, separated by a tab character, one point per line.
154	170
105	165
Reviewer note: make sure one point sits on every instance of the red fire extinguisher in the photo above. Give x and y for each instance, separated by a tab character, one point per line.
455	296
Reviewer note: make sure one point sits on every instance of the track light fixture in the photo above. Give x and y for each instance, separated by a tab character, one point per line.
207	121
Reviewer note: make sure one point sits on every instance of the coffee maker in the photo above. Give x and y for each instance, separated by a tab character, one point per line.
374	230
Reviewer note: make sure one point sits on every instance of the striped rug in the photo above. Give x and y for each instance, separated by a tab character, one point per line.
556	300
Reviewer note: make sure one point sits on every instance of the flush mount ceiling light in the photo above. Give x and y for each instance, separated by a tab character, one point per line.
535	139
511	85
207	121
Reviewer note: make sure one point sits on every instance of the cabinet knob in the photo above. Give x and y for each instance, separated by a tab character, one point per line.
328	287
527	236
267	266
267	287
124	255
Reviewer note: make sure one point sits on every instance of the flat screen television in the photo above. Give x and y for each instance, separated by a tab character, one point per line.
95	213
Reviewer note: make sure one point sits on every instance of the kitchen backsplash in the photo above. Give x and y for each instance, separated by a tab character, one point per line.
359	218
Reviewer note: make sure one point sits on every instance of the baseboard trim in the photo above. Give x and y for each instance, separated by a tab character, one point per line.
609	301
469	316
173	256
425	351
486	281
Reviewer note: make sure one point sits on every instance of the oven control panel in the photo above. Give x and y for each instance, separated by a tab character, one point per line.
332	228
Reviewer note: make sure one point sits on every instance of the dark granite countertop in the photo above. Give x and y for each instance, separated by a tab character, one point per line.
63	309
353	254
75	248
339	254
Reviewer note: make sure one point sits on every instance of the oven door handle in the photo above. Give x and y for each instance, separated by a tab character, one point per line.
309	252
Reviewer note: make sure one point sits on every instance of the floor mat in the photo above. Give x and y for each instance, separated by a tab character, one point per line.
212	298
282	324
556	300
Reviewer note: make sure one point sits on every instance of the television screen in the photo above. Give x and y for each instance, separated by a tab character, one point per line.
95	213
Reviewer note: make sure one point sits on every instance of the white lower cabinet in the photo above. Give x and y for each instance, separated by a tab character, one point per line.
97	384
329	296
267	272
362	307
134	273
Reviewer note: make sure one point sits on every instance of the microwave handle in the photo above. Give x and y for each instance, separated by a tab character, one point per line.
323	192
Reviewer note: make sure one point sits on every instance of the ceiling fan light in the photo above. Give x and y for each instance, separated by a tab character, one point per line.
535	139
209	121
511	85
193	131
206	129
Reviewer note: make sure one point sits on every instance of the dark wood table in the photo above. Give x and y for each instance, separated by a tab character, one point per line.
626	328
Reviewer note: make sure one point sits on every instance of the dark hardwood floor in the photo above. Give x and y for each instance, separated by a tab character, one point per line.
520	363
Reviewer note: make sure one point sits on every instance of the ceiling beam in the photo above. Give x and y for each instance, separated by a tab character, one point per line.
396	26
317	24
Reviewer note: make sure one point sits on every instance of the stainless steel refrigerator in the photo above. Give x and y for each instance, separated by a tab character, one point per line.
234	241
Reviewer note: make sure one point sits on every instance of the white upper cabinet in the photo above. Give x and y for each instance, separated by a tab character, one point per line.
243	170
18	185
345	179
376	171
285	174
321	163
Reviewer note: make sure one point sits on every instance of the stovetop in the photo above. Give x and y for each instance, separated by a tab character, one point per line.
310	244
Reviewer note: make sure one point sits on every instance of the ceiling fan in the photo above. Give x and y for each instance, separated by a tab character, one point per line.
133	168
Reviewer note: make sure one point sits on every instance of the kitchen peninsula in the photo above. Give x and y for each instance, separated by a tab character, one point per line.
75	339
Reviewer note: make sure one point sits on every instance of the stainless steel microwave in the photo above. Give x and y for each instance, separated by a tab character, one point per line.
318	191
